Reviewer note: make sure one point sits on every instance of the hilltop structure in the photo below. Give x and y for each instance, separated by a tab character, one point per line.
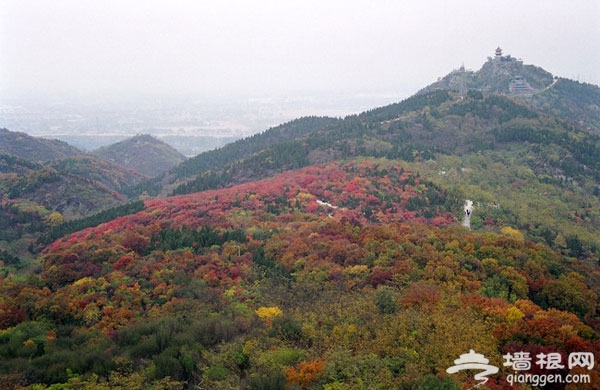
498	53
501	73
518	85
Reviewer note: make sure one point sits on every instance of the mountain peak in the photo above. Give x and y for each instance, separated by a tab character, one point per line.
143	153
501	74
578	103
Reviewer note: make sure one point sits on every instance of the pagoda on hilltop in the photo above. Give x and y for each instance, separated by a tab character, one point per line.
498	53
501	58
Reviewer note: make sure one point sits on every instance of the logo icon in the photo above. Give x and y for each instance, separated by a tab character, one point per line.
474	361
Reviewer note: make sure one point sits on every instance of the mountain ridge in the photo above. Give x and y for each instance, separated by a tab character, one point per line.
143	153
578	103
35	149
558	157
45	183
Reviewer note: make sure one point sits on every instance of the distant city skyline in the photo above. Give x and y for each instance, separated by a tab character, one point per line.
87	49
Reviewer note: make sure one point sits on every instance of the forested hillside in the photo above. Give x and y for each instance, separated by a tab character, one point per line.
418	128
486	147
41	200
47	183
142	153
578	103
243	148
341	275
322	253
34	149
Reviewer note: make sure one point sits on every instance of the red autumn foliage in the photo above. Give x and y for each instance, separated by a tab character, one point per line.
420	293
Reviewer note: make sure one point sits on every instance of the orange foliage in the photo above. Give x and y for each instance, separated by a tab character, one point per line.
421	293
306	373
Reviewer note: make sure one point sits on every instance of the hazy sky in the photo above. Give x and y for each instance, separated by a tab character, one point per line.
221	47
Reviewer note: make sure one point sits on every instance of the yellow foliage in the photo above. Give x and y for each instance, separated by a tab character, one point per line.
514	314
304	195
560	241
29	343
268	313
230	293
91	314
513	233
309	332
356	271
251	348
55	218
84	284
568	331
490	265
527	307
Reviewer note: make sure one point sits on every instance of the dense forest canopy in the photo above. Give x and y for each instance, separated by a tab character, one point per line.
223	289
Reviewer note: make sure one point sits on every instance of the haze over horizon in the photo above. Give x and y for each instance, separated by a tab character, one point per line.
270	48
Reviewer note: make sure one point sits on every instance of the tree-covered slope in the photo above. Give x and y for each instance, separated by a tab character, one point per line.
45	183
142	153
196	168
36	198
59	187
576	102
417	128
100	171
556	165
338	275
246	147
34	149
